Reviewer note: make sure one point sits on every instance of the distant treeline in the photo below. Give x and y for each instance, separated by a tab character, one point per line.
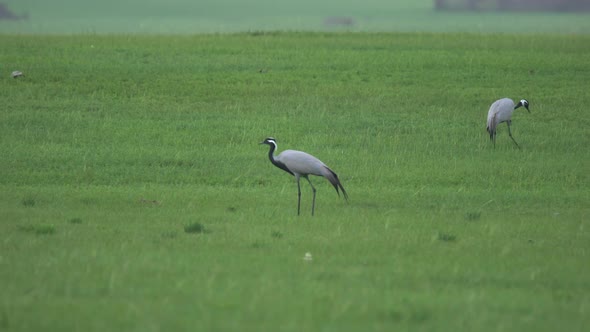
7	14
508	5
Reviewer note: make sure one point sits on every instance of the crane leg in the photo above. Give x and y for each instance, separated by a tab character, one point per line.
298	196
510	134
313	201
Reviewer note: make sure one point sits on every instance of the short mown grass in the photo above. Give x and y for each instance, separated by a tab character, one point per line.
134	194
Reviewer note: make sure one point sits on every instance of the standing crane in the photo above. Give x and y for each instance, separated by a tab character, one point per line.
301	164
501	111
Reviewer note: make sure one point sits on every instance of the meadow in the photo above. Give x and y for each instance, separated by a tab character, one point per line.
134	195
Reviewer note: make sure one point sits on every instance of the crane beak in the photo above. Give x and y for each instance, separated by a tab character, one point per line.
527	108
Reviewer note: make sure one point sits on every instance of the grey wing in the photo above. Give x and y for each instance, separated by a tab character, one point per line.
497	111
301	162
491	123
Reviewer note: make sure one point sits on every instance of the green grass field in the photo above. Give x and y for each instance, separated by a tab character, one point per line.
134	195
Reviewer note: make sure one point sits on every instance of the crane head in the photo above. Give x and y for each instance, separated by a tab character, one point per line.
269	141
525	103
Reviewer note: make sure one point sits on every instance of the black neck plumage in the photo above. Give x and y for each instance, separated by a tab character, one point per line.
275	162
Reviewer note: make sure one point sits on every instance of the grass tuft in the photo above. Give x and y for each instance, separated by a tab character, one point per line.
195	228
472	216
37	229
28	201
75	221
276	234
446	237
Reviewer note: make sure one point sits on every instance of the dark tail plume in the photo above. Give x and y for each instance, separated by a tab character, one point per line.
333	178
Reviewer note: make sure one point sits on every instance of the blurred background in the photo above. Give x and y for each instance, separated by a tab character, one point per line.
226	16
522	5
